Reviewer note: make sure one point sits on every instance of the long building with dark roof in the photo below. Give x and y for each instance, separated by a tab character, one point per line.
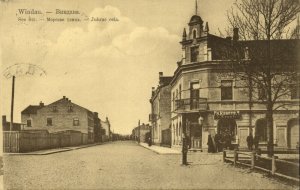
61	115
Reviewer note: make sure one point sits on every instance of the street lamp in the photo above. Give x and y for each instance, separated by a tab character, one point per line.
185	140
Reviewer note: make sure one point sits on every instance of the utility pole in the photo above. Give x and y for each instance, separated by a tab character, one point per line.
184	144
139	132
11	111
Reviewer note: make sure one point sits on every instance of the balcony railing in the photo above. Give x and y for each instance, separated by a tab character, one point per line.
191	104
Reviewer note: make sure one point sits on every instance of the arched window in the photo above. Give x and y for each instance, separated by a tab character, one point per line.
261	130
194	34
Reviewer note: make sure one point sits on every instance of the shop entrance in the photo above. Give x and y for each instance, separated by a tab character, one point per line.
227	129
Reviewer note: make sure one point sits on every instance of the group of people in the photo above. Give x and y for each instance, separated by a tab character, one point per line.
252	141
218	142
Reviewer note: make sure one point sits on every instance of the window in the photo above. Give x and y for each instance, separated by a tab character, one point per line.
49	121
194	34
76	122
70	108
261	130
194	53
180	91
29	123
226	90
295	92
54	108
194	95
262	95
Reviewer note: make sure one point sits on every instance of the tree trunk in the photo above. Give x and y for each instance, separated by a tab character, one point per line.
269	117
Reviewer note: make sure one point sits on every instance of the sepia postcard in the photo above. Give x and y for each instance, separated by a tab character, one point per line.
149	94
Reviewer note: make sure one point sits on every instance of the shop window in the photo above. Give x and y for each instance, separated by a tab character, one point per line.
29	123
261	130
49	121
226	90
76	122
194	53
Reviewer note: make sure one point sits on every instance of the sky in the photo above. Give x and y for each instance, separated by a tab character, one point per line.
106	67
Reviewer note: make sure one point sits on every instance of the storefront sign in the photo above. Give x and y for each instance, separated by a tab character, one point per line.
227	115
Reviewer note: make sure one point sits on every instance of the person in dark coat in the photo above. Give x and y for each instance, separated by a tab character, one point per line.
250	142
210	144
256	141
218	141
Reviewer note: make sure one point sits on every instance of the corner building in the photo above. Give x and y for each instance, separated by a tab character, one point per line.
202	88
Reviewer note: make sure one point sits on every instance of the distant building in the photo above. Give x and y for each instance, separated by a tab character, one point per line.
105	127
141	132
61	115
160	116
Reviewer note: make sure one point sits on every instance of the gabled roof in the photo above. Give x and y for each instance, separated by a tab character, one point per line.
31	109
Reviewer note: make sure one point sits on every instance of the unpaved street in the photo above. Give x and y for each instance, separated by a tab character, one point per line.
127	165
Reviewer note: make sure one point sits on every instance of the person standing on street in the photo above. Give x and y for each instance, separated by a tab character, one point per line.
250	142
210	144
218	143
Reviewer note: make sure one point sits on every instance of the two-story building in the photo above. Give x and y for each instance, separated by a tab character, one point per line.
61	115
160	116
207	99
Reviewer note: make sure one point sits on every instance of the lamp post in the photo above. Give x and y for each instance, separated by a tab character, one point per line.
185	139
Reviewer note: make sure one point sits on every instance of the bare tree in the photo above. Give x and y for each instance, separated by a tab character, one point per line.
262	60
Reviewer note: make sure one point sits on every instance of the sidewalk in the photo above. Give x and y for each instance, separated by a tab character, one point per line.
53	151
160	149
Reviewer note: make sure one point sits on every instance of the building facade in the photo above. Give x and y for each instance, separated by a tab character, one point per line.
61	115
160	116
105	126
141	132
208	99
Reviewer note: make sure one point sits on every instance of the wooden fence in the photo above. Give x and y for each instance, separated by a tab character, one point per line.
272	165
28	141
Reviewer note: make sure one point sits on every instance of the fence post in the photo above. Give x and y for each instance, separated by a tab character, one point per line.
273	165
235	157
252	160
224	155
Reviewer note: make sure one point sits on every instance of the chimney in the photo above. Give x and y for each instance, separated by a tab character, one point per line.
235	34
161	74
3	120
67	99
64	97
96	114
41	104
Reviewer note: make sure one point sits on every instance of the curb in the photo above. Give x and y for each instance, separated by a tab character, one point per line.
157	152
54	151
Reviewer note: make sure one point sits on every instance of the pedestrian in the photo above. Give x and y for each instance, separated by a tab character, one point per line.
218	142
256	141
149	141
210	144
250	141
